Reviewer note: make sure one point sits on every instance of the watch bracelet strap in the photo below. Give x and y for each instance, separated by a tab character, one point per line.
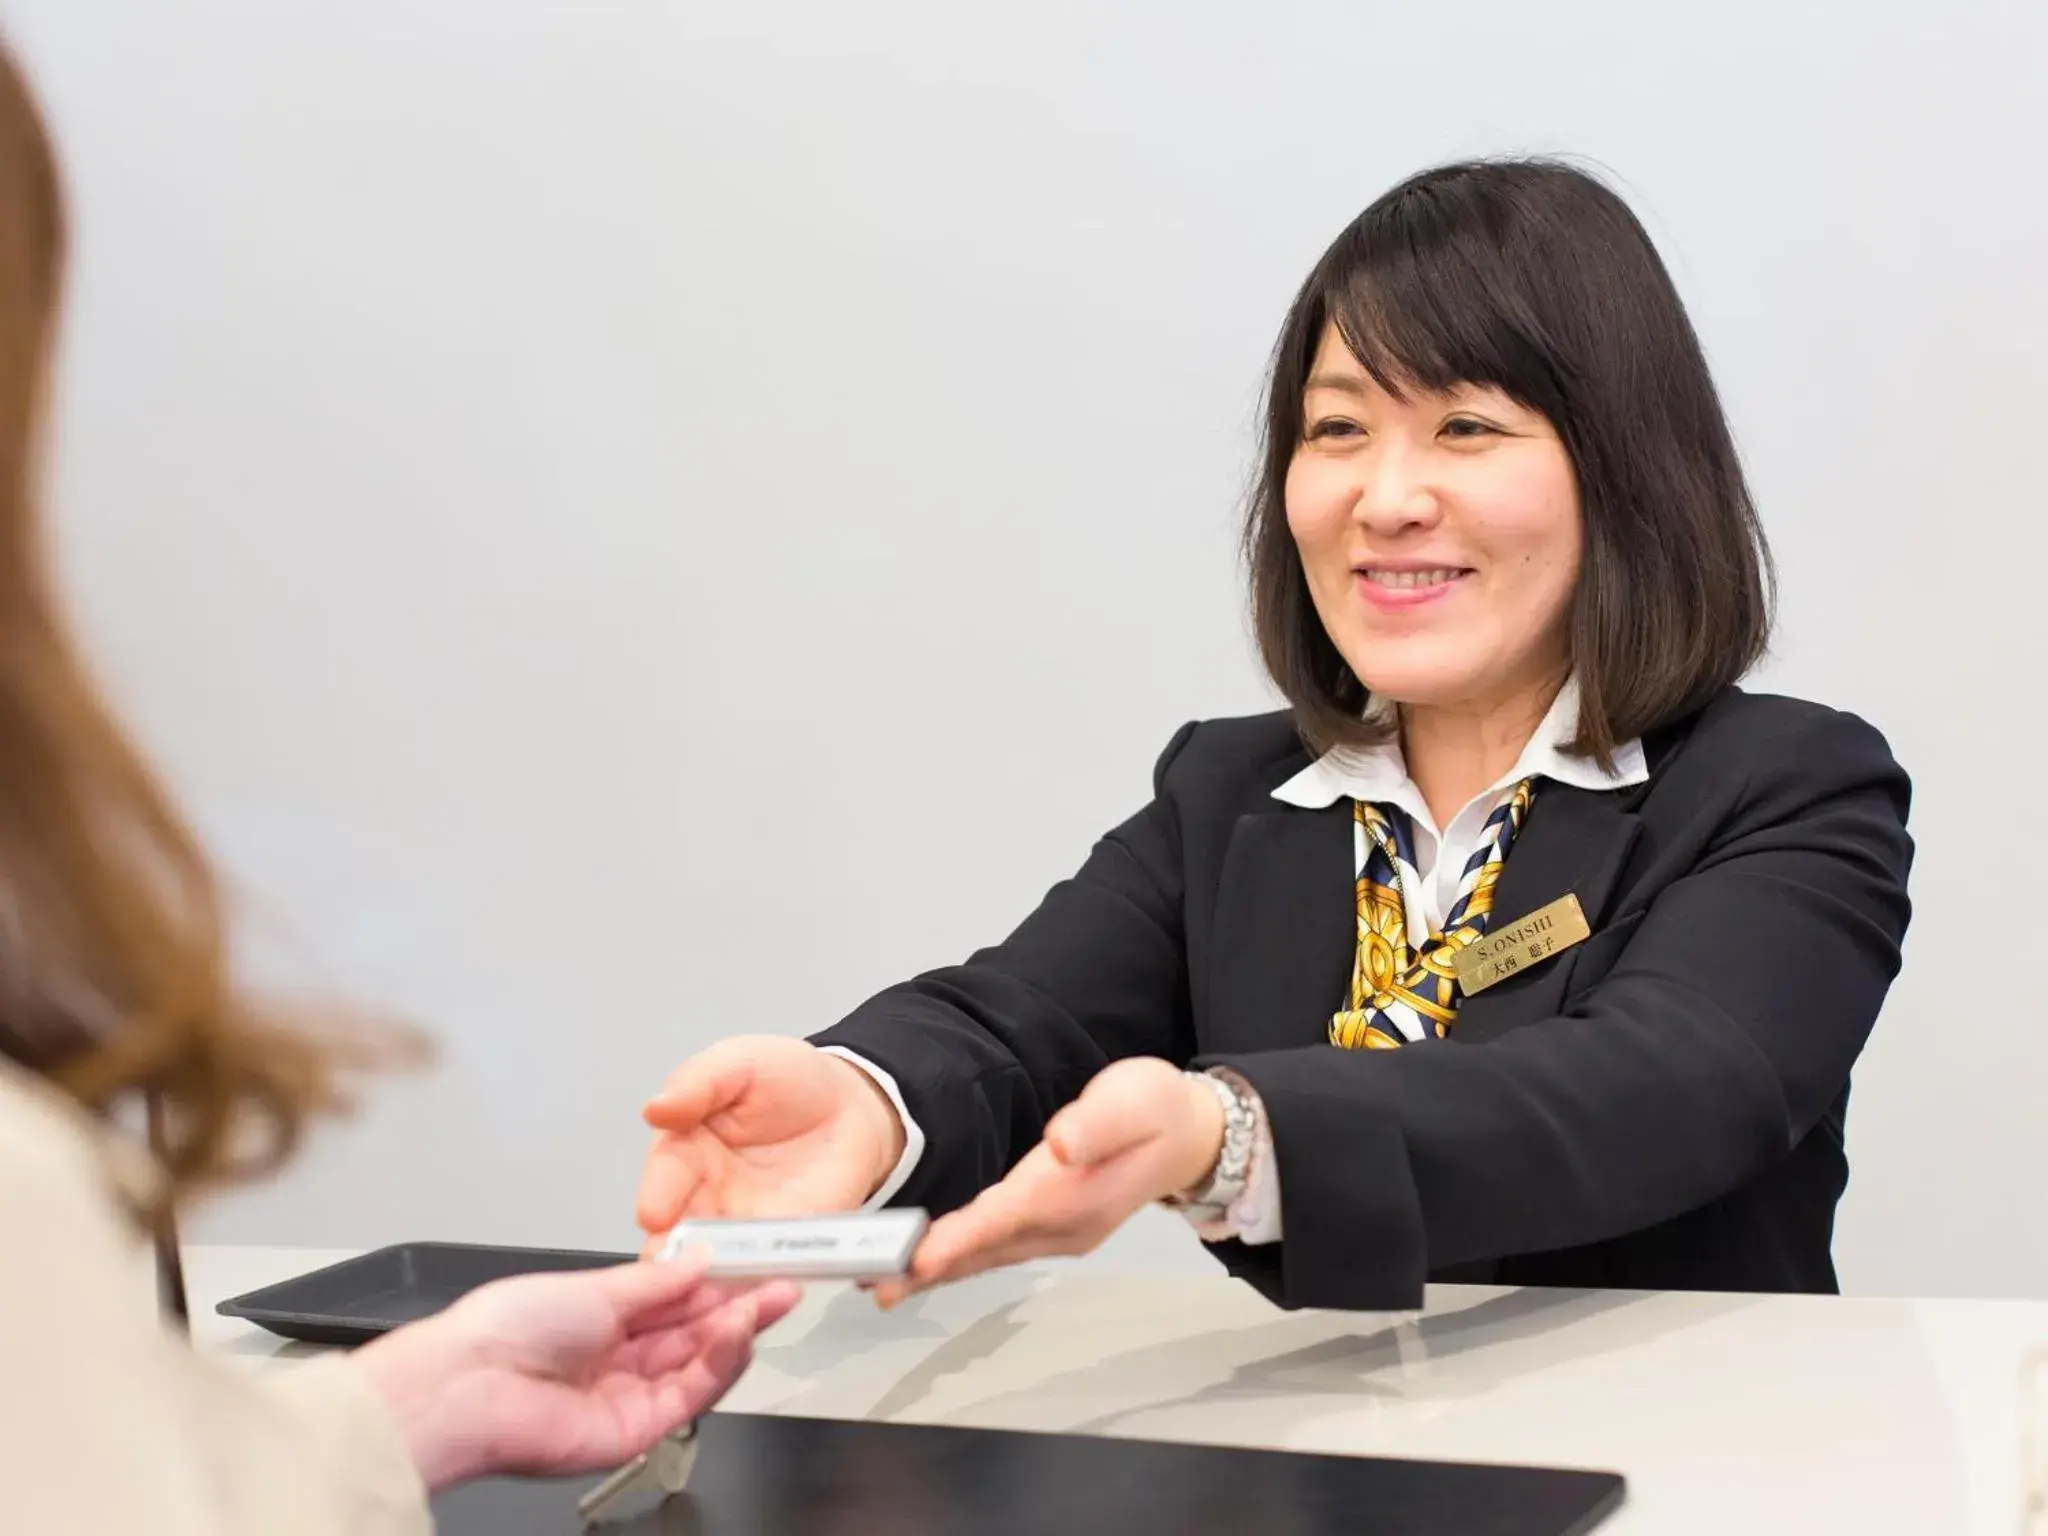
1227	1180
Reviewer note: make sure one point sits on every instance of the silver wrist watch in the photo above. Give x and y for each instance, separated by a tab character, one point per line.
1210	1200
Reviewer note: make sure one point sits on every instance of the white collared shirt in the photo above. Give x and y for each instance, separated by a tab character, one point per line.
1378	774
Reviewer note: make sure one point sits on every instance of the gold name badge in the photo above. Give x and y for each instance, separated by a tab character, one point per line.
1520	945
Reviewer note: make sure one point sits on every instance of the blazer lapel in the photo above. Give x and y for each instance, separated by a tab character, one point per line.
1574	842
1286	929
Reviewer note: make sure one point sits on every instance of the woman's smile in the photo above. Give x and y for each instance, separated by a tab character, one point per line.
1398	587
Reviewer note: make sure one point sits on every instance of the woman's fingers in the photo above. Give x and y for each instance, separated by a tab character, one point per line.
1018	1250
1030	1193
669	1182
775	1301
772	1301
660	1349
1034	1208
725	1346
982	1223
704	1299
1124	1106
1094	1130
699	1088
637	1288
1046	1206
666	1351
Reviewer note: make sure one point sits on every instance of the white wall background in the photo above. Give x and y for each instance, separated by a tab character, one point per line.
630	521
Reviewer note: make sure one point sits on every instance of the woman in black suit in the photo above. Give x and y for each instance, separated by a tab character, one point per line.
1525	947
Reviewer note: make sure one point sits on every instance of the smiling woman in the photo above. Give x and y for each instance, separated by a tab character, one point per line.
1541	397
1525	946
1437	534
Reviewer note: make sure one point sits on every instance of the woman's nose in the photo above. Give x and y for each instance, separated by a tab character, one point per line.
1393	493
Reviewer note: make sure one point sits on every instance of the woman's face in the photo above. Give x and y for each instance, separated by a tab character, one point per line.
1440	536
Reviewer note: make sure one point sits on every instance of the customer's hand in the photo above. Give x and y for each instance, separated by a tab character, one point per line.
765	1126
560	1373
1140	1131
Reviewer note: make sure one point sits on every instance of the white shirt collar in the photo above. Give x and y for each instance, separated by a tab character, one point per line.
1380	773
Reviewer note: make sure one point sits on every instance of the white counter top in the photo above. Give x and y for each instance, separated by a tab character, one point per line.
1729	1415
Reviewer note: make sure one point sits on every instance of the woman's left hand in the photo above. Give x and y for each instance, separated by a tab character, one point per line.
1141	1130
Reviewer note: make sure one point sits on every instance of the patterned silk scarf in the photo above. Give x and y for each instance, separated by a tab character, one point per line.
1397	995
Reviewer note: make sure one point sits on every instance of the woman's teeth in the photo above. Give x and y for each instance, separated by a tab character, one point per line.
1411	578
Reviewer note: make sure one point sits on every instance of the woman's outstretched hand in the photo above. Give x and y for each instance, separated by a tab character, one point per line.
572	1372
1141	1130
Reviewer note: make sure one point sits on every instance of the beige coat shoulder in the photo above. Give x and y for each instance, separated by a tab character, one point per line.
109	1422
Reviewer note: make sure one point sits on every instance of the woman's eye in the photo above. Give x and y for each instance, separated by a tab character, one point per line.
1332	426
1468	427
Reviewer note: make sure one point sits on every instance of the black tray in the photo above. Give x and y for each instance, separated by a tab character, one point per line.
760	1475
359	1298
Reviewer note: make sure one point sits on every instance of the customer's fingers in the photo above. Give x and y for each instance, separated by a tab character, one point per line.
772	1301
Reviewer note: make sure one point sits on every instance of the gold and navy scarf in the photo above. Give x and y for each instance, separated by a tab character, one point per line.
1397	994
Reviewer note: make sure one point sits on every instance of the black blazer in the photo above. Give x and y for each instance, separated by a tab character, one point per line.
1660	1106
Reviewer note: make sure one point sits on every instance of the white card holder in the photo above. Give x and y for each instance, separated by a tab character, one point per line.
854	1245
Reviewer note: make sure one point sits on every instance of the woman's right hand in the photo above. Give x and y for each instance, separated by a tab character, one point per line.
555	1373
765	1126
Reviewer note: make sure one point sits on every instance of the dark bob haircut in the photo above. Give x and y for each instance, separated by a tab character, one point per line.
1531	277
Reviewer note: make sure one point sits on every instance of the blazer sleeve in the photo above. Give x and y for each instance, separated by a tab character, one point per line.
1725	1029
986	1052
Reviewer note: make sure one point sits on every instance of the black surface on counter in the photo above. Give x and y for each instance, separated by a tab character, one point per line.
761	1475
